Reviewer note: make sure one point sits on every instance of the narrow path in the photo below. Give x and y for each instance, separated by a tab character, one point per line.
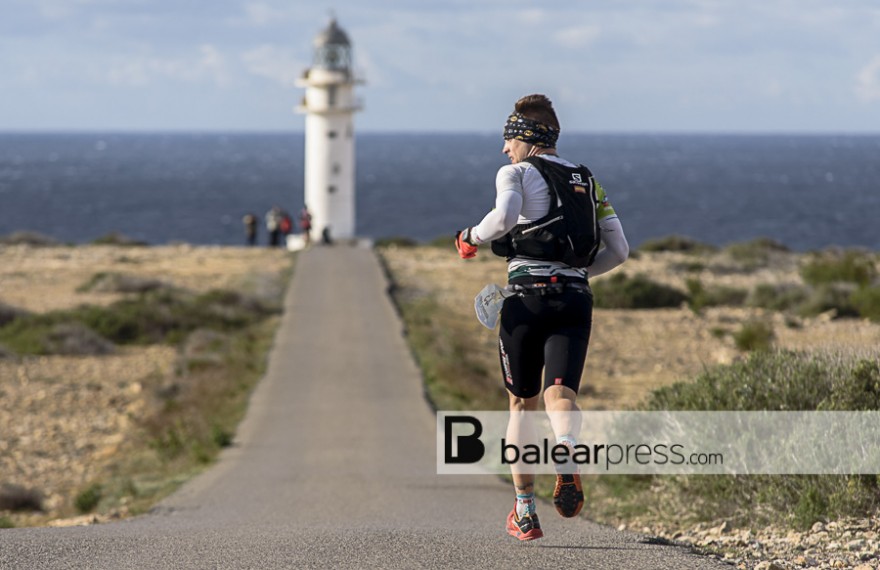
333	467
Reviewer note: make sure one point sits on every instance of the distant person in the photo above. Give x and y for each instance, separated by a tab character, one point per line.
250	228
546	322
273	226
326	239
305	224
285	225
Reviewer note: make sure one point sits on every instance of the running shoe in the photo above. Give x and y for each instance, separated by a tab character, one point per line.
526	528
568	496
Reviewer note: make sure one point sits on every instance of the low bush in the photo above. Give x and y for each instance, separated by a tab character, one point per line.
619	291
88	499
783	297
18	498
29	238
701	296
754	335
118	239
397	241
158	316
8	313
677	243
834	266
75	339
447	242
111	282
866	301
777	380
836	297
754	253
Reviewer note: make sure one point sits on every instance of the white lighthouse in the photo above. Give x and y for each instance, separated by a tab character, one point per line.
329	105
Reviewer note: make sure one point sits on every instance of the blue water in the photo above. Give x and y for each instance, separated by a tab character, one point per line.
808	192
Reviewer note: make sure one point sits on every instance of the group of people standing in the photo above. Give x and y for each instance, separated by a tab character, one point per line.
279	224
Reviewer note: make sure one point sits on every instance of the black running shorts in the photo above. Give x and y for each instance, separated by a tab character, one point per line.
548	333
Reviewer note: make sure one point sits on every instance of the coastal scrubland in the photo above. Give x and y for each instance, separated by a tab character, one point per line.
124	370
684	325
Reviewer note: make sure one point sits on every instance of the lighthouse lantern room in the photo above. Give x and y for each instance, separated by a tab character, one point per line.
329	105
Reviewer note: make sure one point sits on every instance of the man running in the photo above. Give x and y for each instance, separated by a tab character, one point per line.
545	326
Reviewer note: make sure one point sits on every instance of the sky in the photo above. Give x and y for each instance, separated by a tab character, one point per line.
776	66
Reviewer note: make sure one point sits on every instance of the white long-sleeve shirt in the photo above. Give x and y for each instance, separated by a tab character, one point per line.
522	197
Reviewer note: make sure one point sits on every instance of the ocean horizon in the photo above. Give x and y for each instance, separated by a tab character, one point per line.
806	191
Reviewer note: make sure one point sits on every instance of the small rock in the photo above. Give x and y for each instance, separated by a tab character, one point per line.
856	544
864	567
818	527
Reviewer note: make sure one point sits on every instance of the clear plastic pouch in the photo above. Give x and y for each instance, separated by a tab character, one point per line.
487	304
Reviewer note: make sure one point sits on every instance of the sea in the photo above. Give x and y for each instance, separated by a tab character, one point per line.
808	192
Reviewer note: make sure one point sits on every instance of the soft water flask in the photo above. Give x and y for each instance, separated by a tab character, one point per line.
487	305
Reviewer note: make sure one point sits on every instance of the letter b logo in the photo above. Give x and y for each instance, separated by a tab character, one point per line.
470	448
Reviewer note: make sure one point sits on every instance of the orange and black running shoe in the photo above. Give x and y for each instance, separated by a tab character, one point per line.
525	528
568	496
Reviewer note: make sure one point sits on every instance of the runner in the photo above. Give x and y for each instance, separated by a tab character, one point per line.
546	325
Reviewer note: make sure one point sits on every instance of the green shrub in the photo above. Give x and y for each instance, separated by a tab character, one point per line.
753	336
118	239
158	316
776	380
755	253
6	522
833	266
678	243
18	498
701	296
8	313
619	291
448	242
777	297
111	282
26	237
88	499
397	241
866	301
837	297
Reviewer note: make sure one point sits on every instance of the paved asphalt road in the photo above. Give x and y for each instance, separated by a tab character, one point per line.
333	467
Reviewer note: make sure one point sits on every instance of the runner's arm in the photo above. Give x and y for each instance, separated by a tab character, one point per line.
615	248
501	219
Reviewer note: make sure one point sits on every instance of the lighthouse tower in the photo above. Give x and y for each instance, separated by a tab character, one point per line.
329	105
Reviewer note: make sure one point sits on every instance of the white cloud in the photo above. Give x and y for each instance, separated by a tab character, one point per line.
868	81
578	36
208	66
213	65
279	65
534	16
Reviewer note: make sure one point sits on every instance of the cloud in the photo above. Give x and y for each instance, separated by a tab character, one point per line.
208	66
269	61
868	81
577	37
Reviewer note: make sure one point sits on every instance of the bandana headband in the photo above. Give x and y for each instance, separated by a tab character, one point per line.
529	131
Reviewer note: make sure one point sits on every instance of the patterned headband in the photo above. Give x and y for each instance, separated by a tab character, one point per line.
532	132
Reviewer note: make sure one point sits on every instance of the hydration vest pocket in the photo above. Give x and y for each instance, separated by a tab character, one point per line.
542	239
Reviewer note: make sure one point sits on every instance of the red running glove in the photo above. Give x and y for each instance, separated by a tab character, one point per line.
465	245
